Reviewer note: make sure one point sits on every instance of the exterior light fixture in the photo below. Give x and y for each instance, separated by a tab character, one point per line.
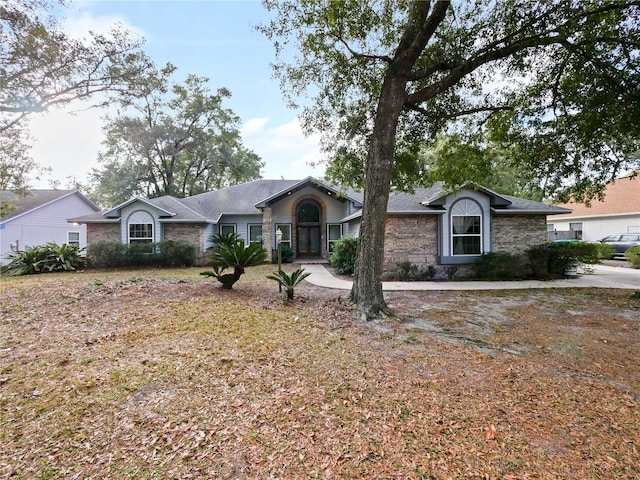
279	244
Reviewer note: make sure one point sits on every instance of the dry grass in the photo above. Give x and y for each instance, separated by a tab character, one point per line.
160	374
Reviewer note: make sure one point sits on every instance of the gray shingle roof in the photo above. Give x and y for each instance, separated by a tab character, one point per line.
425	200
242	200
236	200
34	199
179	208
522	204
400	202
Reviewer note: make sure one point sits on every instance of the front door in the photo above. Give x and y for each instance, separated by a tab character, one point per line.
308	229
308	241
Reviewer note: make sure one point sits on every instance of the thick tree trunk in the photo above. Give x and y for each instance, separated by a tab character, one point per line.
367	285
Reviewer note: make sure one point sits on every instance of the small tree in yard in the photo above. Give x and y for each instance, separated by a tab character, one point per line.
289	282
229	251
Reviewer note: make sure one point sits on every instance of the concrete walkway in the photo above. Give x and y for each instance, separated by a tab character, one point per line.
603	276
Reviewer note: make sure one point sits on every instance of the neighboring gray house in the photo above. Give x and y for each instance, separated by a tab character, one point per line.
429	227
40	217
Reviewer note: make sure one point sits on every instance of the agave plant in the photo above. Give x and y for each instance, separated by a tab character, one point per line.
229	251
289	281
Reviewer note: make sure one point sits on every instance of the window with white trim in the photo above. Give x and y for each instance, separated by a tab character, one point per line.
73	238
226	228
466	228
334	232
255	233
285	228
140	227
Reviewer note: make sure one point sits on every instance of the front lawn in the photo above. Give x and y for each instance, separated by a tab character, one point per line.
160	373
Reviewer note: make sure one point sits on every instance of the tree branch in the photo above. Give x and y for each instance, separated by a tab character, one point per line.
472	64
461	113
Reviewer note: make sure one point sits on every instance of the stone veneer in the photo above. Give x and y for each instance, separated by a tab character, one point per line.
267	230
515	234
410	238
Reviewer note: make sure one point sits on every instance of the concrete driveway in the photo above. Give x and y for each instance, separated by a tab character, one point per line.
603	276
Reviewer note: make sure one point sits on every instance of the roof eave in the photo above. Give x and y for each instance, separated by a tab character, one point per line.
299	185
416	212
137	199
97	220
524	211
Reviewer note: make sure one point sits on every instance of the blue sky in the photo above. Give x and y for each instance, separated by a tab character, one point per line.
211	38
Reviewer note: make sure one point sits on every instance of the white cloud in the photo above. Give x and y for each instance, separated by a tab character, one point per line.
284	148
78	23
254	127
67	143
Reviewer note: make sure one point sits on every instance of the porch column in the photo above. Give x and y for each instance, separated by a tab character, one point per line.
267	230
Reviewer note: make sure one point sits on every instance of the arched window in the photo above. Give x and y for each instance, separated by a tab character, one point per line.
140	227
308	212
466	227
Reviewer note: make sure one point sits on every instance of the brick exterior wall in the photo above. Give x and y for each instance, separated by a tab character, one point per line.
410	238
109	232
187	232
415	239
516	233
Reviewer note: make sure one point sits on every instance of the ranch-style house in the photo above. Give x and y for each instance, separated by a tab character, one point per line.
431	226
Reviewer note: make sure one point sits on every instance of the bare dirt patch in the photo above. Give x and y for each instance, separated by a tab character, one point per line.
161	374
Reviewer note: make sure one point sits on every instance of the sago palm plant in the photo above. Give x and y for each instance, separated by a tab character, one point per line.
229	251
289	281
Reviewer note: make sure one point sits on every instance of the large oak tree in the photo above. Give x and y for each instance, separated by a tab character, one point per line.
557	82
42	67
174	139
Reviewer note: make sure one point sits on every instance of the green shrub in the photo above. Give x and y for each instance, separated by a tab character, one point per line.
406	271
606	251
343	257
451	271
586	252
633	256
177	253
499	266
551	260
104	254
167	253
50	257
141	254
430	272
286	252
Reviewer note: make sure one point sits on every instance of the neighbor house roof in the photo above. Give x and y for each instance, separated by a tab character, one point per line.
621	196
35	199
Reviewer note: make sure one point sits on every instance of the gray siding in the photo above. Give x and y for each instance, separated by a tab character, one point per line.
45	224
